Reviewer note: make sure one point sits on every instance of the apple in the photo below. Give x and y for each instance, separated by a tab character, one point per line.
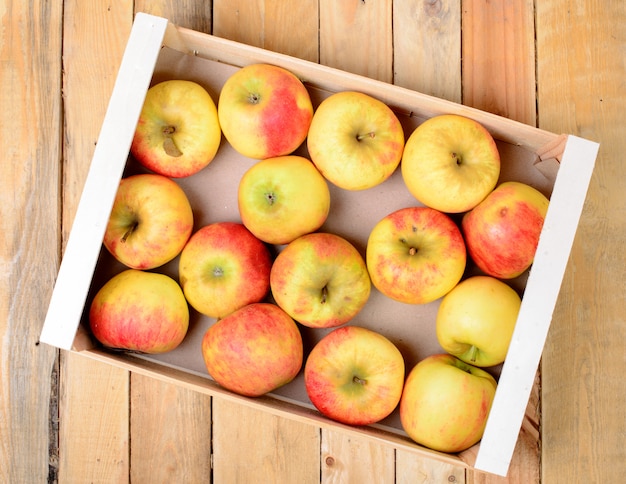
355	140
320	280
282	198
415	255
354	375
178	132
264	111
150	221
502	232
224	267
139	311
254	350
475	320
445	403
450	163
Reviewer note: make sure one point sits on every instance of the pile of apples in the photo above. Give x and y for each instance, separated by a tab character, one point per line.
265	276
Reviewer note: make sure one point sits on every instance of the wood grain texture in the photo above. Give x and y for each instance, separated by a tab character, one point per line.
286	27
170	431
252	446
349	460
414	469
94	401
30	63
581	71
357	36
427	47
499	58
94	421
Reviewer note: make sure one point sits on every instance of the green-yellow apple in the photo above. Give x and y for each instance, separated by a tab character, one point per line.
355	140
254	350
354	375
415	255
475	320
150	222
502	232
282	198
139	311
264	111
320	280
224	267
178	132
450	163
445	403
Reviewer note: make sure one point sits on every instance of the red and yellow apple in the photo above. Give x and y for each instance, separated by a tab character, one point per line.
445	403
320	280
178	132
476	319
282	198
450	163
502	232
354	375
264	111
355	140
150	222
224	267
415	255
254	350
139	311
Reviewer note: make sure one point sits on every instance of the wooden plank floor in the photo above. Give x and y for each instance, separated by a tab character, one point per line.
557	64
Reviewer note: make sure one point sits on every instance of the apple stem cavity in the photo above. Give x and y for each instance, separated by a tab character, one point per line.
358	380
168	143
254	98
456	158
361	137
270	197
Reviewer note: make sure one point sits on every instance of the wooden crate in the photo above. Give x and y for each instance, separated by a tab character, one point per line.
561	166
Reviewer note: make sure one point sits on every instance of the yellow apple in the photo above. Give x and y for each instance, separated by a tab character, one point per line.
475	320
354	375
224	267
445	403
150	222
320	280
415	255
355	140
178	132
264	111
450	163
502	232
139	311
282	198
254	350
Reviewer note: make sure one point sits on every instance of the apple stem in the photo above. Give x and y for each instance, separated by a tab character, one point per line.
130	230
356	379
168	143
412	251
361	137
473	352
324	295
